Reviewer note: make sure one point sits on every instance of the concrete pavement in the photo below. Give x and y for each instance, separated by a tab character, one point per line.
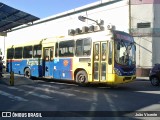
18	79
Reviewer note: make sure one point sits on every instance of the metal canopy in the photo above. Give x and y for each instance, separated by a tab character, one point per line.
11	17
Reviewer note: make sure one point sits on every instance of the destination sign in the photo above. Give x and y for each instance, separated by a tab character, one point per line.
124	37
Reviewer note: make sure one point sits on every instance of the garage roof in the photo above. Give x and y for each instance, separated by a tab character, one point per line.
11	17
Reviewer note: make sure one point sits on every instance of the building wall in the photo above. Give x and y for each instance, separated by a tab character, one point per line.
156	36
142	13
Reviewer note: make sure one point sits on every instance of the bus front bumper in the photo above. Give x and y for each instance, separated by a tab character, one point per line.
115	79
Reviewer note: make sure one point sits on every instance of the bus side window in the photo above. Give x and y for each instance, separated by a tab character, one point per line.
83	47
27	52
37	51
87	47
66	48
79	44
10	53
18	53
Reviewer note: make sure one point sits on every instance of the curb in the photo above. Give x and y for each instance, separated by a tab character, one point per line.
142	79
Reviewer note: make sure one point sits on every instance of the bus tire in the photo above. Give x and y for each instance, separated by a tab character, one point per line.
81	78
27	73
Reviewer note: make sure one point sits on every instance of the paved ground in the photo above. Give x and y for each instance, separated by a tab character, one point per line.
38	95
18	79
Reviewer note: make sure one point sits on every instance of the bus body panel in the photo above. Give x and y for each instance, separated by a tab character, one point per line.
16	65
36	71
62	68
48	69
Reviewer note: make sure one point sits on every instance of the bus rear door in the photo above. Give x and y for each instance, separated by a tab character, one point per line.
48	61
100	61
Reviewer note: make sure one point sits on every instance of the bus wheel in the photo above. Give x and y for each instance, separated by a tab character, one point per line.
81	78
27	73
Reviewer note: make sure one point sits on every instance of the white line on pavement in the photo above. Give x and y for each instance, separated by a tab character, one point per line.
31	93
13	96
49	90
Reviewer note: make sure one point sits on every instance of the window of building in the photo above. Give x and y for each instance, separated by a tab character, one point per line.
66	48
37	51
10	53
83	47
18	53
144	25
27	52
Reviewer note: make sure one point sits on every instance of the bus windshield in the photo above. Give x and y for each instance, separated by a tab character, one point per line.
125	52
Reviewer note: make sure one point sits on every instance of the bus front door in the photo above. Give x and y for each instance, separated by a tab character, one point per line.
48	61
100	62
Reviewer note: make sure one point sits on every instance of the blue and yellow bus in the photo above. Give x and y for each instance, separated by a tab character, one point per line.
106	56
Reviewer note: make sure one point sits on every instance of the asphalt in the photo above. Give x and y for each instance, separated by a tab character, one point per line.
18	80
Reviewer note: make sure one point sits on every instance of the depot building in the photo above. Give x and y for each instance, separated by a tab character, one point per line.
140	18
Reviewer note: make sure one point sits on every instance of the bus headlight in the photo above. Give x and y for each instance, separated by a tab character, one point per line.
118	72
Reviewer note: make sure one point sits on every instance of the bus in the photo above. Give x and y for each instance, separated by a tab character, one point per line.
84	56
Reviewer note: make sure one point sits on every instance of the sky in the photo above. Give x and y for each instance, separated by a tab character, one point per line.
46	8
